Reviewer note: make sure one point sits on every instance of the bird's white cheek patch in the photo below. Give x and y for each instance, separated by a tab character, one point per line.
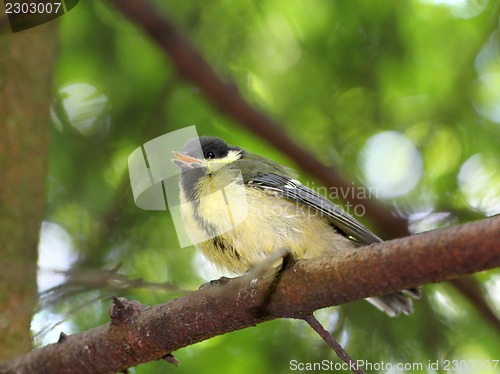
215	164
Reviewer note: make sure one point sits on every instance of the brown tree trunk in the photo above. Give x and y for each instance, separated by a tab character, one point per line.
26	60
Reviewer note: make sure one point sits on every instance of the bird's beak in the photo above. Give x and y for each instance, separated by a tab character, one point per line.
185	162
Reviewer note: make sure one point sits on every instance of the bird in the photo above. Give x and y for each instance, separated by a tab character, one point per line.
239	207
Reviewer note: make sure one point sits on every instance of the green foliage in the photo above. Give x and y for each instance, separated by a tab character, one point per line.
336	73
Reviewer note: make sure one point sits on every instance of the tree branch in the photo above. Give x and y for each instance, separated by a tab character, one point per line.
138	333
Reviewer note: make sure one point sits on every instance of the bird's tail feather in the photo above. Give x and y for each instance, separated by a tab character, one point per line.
395	303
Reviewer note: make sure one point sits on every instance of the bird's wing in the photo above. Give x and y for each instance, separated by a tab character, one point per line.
293	190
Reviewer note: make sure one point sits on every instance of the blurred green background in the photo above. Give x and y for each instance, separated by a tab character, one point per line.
400	96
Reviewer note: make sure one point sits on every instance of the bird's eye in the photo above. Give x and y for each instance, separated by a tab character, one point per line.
209	155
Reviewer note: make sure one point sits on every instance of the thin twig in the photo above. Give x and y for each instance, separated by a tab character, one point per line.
339	350
111	280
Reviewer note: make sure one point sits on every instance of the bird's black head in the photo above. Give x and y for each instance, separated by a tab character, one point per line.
211	148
